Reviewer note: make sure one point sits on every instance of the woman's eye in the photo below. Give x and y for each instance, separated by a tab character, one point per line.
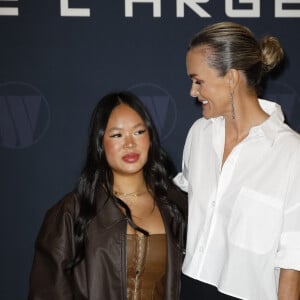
139	132
115	135
198	82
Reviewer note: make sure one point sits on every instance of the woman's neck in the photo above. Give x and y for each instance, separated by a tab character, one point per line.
248	114
129	184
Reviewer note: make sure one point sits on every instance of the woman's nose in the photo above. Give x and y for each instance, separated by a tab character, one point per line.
129	143
194	92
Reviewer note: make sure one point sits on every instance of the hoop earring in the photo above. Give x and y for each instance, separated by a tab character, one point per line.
232	106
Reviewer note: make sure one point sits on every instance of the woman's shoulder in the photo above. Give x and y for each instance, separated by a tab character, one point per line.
68	204
61	213
56	230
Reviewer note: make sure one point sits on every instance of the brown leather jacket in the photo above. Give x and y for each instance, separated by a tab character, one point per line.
102	274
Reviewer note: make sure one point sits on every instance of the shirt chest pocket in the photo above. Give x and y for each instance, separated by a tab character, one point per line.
255	221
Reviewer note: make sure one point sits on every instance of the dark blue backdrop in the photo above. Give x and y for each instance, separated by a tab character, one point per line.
54	67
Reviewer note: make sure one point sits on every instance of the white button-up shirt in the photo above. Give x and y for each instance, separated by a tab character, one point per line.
244	217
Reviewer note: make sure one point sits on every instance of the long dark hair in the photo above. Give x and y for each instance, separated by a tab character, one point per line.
97	173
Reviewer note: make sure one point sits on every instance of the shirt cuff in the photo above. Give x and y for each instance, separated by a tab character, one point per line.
288	256
181	182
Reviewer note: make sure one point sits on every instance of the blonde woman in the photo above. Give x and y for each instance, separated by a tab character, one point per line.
241	169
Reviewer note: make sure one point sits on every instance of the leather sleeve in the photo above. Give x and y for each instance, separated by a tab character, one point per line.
53	249
181	200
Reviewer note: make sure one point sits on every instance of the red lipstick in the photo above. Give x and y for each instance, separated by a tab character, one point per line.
131	157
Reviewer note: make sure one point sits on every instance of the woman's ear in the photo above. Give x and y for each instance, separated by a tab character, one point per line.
233	78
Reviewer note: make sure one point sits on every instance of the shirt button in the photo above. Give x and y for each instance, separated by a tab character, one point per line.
201	249
213	203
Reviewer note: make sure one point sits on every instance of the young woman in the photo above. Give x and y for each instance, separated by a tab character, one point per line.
241	169
120	234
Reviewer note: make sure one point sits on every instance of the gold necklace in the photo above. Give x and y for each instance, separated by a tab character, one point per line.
133	194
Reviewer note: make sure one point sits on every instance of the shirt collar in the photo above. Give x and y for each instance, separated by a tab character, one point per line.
269	128
213	121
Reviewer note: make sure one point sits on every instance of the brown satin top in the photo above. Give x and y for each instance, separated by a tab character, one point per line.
146	266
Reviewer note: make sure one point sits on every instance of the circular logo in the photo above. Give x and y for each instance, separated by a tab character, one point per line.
288	99
161	106
24	115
